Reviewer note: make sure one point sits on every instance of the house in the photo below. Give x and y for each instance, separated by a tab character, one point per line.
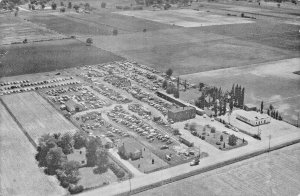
129	152
252	118
78	155
178	114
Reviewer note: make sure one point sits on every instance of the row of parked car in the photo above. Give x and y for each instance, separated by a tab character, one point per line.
119	115
58	91
110	93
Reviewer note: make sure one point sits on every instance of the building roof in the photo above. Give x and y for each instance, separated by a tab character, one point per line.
252	115
178	109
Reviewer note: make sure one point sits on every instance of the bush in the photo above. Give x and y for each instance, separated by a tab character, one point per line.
115	32
126	8
73	189
64	184
119	7
53	6
103	5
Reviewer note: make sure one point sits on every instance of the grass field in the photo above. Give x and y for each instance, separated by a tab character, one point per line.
49	56
276	173
19	173
89	180
273	82
36	115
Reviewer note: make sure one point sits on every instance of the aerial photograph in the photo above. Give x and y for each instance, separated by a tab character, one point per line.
150	97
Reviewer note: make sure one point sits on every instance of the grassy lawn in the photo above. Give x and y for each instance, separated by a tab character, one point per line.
89	179
49	56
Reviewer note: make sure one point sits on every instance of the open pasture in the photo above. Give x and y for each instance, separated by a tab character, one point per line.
50	56
19	173
185	17
276	173
36	115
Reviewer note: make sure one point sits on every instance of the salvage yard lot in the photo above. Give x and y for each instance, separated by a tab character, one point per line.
49	56
36	115
19	173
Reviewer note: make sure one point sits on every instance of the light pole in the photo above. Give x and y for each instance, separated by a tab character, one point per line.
129	187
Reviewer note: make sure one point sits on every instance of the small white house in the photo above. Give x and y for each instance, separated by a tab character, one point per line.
253	118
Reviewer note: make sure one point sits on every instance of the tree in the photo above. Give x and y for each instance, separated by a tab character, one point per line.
232	140
276	114
115	32
201	85
164	84
261	107
176	131
242	97
231	105
89	41
221	138
55	159
66	143
53	6
45	143
224	146
213	130
185	85
271	107
69	172
102	161
169	72
103	5
43	6
268	112
76	7
70	5
176	93
79	140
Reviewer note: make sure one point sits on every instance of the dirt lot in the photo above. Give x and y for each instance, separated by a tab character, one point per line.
36	115
49	56
19	173
276	173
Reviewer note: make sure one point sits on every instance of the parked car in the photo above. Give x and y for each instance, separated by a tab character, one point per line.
164	147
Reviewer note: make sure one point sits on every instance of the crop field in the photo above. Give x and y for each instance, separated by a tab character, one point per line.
276	173
273	82
274	34
36	115
49	56
19	173
185	17
16	30
189	50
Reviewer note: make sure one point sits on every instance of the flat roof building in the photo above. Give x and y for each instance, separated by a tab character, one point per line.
181	113
252	118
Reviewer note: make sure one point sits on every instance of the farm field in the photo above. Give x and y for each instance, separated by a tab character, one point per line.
273	82
49	56
185	17
36	115
189	50
15	30
276	173
19	173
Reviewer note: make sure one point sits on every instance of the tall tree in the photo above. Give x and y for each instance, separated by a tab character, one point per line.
169	72
102	161
92	147
80	140
55	159
69	172
66	143
242	97
261	107
45	143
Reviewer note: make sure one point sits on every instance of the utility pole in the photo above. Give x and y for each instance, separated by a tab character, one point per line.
270	141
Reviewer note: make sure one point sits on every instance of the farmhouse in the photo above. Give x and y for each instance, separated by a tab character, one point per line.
252	118
128	151
181	113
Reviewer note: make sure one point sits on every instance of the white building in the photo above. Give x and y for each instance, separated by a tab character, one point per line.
253	118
